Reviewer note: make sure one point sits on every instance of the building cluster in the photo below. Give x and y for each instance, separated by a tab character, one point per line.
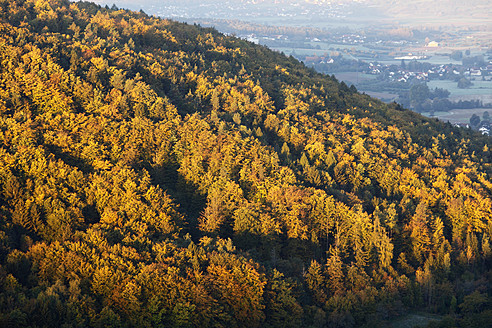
400	74
485	129
351	39
396	74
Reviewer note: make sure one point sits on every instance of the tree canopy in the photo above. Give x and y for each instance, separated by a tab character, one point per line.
159	174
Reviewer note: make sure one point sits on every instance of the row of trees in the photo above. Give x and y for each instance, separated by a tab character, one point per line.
422	99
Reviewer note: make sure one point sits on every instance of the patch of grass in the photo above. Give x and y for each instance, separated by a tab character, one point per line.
459	115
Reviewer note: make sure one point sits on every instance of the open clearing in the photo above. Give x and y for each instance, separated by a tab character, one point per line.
353	77
459	115
481	90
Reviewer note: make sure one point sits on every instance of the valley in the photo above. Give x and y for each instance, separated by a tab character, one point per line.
155	173
382	49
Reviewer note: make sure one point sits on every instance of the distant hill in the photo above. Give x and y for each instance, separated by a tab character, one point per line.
159	174
443	12
321	13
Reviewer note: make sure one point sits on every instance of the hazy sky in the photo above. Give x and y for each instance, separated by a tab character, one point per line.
278	12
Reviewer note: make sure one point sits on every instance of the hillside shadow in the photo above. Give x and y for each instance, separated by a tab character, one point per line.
69	159
290	256
190	202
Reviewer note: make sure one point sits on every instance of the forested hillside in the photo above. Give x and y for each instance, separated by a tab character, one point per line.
157	174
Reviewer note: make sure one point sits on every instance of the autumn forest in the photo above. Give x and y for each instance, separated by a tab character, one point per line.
159	174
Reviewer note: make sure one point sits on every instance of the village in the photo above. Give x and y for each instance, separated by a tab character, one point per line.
410	68
457	80
383	59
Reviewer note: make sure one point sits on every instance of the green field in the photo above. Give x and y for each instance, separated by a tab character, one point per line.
442	60
325	48
354	77
459	115
302	52
481	90
384	96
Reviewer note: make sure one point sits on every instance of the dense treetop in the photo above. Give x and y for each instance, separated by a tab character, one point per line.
158	174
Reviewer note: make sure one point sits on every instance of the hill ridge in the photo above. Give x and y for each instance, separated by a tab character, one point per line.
155	173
